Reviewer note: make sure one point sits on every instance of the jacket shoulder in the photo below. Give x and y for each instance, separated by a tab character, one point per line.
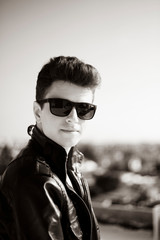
29	168
25	166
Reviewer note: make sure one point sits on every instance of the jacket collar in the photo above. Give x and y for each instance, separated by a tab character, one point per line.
55	155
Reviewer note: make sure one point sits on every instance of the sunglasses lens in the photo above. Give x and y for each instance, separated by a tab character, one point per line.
85	111
60	107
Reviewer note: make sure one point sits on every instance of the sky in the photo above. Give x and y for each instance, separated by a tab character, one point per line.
121	38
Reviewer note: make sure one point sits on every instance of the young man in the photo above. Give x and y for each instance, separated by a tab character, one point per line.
43	194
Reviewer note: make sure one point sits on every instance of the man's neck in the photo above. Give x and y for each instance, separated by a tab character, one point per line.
67	149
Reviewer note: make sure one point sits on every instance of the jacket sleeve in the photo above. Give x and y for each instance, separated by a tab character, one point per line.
5	218
37	206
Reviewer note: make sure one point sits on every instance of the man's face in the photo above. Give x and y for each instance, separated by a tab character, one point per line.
66	131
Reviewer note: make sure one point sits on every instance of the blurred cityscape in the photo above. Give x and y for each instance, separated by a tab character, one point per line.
124	178
108	166
123	175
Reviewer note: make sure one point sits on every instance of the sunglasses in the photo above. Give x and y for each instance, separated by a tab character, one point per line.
62	108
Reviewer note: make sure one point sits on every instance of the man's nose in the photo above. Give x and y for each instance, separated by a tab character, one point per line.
72	117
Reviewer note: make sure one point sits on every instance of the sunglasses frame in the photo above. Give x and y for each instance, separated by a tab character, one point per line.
73	104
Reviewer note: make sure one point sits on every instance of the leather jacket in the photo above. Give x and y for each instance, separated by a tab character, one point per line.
36	201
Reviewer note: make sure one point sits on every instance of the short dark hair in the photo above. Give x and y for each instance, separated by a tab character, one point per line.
69	69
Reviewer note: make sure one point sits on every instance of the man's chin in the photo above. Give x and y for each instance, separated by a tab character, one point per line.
70	143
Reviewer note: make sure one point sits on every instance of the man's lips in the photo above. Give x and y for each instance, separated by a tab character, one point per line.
69	130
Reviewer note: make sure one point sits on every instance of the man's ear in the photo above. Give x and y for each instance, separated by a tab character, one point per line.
37	111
